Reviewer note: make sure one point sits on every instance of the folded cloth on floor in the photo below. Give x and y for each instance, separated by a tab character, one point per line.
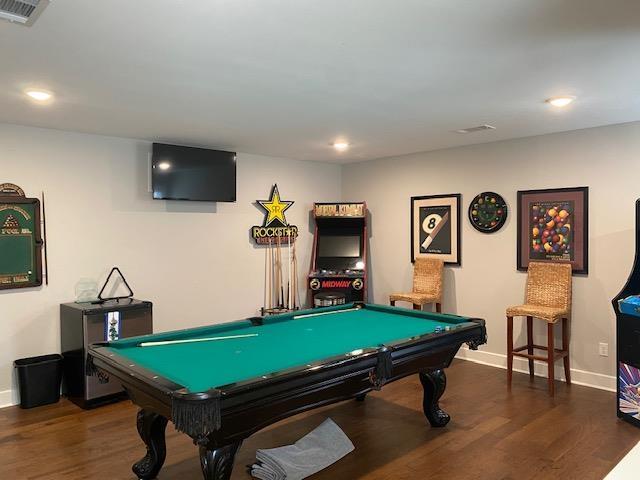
315	451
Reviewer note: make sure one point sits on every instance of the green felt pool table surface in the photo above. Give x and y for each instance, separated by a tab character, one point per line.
283	342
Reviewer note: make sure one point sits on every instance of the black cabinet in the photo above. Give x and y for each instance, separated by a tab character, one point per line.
82	324
628	341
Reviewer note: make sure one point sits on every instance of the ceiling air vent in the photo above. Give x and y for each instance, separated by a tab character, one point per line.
24	12
476	129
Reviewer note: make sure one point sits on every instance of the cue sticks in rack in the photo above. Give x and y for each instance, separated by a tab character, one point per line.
281	286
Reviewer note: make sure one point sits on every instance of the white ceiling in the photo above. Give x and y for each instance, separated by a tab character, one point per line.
286	77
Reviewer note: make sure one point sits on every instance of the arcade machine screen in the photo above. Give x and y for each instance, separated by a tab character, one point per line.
339	252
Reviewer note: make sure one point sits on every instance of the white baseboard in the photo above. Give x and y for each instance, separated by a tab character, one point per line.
8	398
579	377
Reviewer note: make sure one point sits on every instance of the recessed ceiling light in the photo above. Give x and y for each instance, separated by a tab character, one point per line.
164	165
560	101
341	146
39	95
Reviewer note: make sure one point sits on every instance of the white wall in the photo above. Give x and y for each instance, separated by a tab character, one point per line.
195	261
605	159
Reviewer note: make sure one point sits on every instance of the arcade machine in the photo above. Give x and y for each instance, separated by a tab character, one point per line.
627	307
339	261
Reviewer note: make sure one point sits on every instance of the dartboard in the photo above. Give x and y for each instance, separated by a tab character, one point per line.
488	212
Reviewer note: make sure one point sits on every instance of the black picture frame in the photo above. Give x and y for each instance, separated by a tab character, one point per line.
29	207
579	198
452	201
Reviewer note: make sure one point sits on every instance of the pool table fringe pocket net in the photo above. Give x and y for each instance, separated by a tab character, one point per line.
196	418
384	368
91	370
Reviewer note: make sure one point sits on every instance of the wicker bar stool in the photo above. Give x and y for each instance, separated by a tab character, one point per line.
548	297
427	285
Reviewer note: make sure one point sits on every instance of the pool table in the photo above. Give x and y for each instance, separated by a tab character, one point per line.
264	369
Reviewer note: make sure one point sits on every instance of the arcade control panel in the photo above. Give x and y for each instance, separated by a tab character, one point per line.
348	282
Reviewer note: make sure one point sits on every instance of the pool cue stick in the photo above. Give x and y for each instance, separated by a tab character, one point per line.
334	312
44	231
280	283
282	300
276	287
289	272
195	340
294	264
271	278
266	276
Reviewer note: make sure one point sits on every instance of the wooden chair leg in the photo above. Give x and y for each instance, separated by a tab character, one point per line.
393	303
530	344
417	307
565	347
550	357
438	307
509	351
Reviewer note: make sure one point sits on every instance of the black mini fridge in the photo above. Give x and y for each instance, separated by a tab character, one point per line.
82	324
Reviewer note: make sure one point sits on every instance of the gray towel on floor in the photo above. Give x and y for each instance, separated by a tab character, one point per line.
315	451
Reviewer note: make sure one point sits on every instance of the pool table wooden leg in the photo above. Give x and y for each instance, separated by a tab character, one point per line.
217	462
151	427
434	384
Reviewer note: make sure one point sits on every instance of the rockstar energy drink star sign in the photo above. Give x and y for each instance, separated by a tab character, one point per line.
275	227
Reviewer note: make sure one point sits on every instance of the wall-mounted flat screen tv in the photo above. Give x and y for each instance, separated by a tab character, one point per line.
189	173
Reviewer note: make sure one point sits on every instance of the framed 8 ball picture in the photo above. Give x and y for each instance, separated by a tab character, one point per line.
435	227
488	212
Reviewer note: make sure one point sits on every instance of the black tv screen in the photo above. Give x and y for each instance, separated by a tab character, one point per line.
189	173
339	246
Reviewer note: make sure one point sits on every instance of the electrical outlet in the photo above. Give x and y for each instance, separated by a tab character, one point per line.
603	349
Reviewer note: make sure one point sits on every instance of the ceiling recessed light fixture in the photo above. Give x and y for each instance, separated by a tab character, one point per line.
341	146
40	96
164	165
560	101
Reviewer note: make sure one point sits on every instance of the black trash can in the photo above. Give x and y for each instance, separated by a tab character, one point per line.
39	380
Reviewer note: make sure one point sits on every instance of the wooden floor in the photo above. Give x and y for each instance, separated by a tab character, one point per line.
492	435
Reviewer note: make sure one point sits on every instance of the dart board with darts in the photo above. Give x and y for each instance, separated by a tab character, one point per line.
488	212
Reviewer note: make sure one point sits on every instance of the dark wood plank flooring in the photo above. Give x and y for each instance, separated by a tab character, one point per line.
493	435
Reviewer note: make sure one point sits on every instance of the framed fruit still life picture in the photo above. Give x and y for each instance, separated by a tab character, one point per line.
553	227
